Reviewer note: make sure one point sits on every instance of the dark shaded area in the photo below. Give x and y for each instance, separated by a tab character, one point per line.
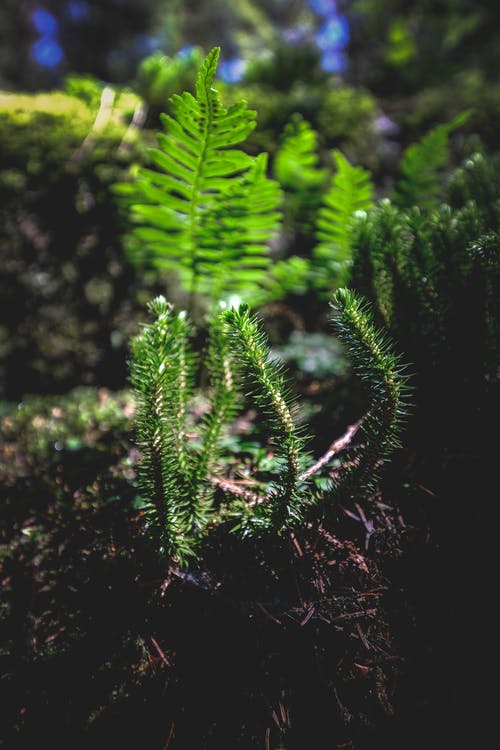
104	645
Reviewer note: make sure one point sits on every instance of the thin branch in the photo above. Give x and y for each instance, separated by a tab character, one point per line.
337	446
234	488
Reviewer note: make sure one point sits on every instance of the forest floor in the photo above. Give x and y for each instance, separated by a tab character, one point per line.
272	646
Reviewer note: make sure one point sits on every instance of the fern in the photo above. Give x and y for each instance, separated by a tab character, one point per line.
296	164
237	228
351	191
207	208
419	183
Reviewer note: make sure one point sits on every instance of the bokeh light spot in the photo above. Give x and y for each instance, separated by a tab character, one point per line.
44	22
232	71
185	51
47	52
78	10
334	61
322	7
333	33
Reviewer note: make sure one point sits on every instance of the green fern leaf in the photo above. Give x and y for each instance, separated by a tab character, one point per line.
420	181
238	228
197	171
296	164
351	191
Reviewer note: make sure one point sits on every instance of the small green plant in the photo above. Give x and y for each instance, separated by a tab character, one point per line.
159	76
330	211
433	276
420	179
179	478
207	211
296	163
351	191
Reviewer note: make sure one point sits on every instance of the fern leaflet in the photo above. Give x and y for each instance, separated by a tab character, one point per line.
420	181
296	164
351	191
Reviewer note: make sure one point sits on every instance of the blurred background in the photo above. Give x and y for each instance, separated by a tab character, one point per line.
82	85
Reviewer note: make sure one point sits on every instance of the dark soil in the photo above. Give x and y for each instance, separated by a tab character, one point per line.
377	637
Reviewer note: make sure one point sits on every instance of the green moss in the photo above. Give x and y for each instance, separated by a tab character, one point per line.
38	131
81	418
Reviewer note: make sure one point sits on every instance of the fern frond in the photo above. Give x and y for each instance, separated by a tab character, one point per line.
296	163
195	164
238	227
380	369
351	191
265	379
419	183
287	276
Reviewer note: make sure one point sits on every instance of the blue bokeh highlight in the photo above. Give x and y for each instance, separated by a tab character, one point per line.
185	51
232	71
47	52
334	34
332	37
323	7
78	10
334	61
44	22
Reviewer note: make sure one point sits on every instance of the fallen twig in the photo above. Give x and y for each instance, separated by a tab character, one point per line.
337	446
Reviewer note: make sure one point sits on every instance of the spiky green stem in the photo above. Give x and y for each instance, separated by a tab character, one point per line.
266	382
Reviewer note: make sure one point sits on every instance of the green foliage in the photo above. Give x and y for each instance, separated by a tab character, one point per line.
376	364
39	129
177	476
85	88
82	418
433	276
286	276
296	163
286	66
419	183
62	265
208	209
161	375
351	191
347	114
266	381
297	168
159	77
